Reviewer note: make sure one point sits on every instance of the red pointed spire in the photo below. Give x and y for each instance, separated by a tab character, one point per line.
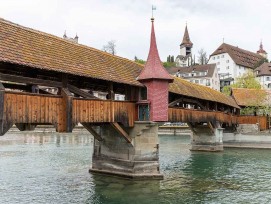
153	68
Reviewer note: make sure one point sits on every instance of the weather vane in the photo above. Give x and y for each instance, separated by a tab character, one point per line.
152	9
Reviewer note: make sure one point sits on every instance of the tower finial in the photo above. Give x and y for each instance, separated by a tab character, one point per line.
152	9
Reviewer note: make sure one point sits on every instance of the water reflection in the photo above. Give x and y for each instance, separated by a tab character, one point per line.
53	168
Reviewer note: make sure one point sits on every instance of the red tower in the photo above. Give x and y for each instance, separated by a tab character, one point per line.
156	79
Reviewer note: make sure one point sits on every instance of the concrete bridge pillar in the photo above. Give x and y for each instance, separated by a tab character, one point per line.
207	138
137	160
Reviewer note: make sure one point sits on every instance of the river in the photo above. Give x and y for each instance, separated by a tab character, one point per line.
53	168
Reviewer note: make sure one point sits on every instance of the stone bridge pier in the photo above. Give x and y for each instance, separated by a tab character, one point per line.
139	159
206	137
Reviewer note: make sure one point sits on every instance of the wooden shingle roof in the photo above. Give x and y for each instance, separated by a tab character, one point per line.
239	56
25	46
251	97
186	88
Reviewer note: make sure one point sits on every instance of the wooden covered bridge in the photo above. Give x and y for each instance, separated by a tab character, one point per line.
31	59
31	62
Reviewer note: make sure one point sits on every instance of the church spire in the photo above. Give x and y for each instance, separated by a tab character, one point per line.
153	68
186	39
261	51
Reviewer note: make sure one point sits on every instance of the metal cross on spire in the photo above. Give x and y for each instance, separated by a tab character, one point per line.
152	9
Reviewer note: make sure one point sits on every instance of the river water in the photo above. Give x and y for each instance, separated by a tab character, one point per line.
53	168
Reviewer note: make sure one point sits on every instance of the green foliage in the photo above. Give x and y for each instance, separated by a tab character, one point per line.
226	90
263	60
169	64
140	61
170	58
247	81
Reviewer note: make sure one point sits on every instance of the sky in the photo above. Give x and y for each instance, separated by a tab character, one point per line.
242	23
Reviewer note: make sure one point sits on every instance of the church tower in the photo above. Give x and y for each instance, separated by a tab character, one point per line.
156	80
186	45
185	57
261	51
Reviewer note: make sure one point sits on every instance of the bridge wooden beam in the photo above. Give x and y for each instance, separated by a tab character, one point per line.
186	100
111	94
29	80
122	132
96	135
81	93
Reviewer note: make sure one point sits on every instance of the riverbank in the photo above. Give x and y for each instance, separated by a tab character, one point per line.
260	140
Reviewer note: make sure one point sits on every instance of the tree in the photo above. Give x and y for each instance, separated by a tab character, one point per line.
263	60
110	47
169	64
140	61
202	56
247	80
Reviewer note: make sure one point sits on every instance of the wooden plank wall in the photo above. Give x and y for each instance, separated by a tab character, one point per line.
91	111
190	115
248	119
33	108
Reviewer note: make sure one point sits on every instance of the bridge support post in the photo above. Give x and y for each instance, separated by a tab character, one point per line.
5	119
206	138
114	155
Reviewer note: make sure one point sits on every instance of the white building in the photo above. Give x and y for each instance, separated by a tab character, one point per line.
205	75
232	62
263	74
184	59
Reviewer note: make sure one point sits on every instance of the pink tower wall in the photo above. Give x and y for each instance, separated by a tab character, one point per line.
157	93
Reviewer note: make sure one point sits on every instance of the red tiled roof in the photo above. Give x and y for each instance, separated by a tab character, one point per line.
239	56
153	68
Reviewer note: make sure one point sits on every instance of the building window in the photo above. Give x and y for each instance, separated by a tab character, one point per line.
196	81
218	63
214	58
228	67
222	56
201	81
218	69
267	78
227	61
218	57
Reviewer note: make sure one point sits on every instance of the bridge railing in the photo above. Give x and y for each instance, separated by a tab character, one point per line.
190	115
249	119
19	107
91	111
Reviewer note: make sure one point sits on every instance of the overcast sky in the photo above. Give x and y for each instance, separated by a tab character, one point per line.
242	23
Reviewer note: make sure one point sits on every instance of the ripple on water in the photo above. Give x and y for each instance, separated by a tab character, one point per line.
53	168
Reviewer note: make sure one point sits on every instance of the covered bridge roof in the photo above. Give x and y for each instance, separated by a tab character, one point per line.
251	97
25	46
